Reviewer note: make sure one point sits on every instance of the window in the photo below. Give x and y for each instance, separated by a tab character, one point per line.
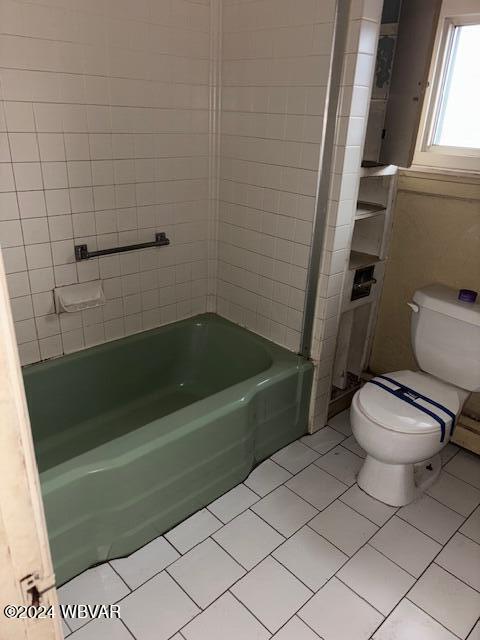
457	123
449	135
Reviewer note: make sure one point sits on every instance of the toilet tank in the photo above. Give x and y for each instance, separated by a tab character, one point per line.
446	336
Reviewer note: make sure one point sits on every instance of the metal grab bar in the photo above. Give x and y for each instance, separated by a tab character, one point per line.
82	252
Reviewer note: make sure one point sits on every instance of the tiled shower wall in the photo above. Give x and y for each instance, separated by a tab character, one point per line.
276	56
118	117
104	139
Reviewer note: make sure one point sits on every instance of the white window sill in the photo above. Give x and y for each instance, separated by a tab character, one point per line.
440	173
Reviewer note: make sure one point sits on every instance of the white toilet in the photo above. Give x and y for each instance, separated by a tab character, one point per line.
404	419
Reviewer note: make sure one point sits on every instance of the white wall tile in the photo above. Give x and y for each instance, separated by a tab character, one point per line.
8	206
18	284
82	110
32	204
359	60
35	231
23	147
273	94
11	233
28	176
6	177
111	144
19	116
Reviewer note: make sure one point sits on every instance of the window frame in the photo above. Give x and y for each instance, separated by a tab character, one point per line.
454	13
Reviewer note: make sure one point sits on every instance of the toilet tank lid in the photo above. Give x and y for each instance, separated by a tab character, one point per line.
443	299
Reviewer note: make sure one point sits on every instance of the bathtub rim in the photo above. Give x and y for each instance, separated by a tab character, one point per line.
189	418
209	317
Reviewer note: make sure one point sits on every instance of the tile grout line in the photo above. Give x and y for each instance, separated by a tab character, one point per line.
313	591
448	507
351	590
249	611
333	500
285	538
405	596
210	536
474	625
455	576
275	559
384	615
119	575
361	514
352	556
248	571
430	616
332	576
449	473
424	572
238	514
295	612
207	537
424	533
368	543
128	630
202	610
152	577
333	544
393	561
326	471
294	473
466	536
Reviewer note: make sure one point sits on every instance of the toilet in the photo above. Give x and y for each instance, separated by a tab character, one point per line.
405	418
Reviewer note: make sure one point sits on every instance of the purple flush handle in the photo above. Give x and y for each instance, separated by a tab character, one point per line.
467	295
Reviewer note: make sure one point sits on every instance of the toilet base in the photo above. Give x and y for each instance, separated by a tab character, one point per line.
397	484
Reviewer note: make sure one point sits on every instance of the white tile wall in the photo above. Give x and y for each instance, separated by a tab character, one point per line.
358	68
104	135
201	118
275	65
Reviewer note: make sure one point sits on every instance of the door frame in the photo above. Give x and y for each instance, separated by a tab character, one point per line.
26	565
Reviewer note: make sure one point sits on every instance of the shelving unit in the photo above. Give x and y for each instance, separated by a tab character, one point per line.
378	170
359	260
368	210
403	60
364	278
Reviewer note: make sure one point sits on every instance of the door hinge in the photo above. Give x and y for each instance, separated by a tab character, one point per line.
34	586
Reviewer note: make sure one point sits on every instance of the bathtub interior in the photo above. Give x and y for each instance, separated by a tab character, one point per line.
84	400
134	436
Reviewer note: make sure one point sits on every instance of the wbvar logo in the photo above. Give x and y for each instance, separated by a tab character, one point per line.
91	611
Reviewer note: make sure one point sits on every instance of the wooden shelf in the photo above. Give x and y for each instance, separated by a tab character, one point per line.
378	170
358	260
368	210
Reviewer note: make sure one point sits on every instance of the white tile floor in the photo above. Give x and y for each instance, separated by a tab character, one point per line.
299	552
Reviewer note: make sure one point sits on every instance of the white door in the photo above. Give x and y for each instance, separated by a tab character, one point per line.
26	573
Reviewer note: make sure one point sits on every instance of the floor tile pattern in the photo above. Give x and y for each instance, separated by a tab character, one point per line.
299	552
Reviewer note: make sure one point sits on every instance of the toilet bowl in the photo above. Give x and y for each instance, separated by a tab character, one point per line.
402	442
405	418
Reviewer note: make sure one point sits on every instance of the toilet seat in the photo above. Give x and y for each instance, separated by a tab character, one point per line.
393	413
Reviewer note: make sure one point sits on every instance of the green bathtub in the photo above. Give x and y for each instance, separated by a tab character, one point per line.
135	435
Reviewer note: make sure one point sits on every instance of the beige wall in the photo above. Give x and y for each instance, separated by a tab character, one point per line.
436	238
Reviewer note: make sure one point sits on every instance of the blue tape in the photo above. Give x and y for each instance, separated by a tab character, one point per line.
426	398
410	396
